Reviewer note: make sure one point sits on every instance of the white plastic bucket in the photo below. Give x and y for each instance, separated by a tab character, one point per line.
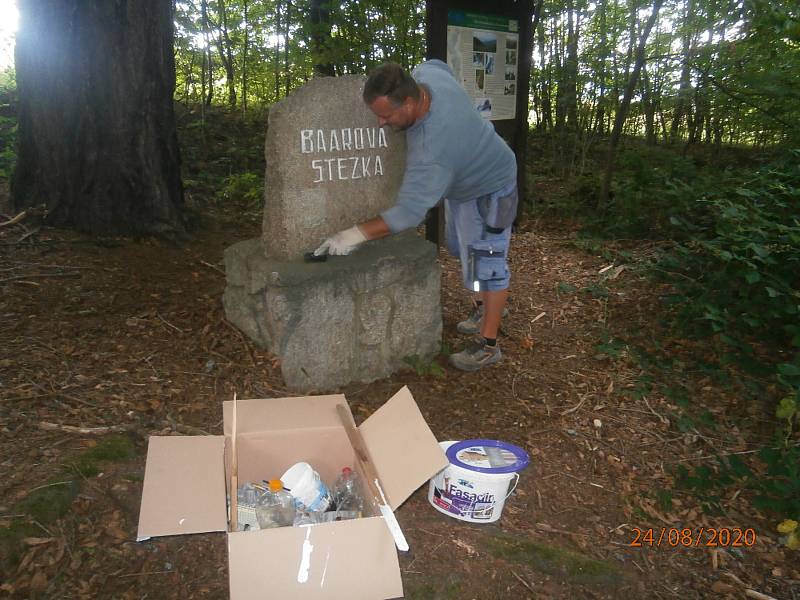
475	486
305	485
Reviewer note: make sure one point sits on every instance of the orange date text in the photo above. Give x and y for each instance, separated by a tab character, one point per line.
701	537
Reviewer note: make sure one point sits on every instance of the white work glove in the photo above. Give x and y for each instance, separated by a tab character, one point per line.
342	243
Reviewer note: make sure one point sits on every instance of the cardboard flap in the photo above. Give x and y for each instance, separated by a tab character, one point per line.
184	486
353	560
279	414
402	447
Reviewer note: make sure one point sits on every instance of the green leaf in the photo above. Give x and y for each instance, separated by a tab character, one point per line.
787	408
789	370
752	276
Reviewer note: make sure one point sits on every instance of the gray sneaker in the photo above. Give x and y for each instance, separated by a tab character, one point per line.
472	324
476	355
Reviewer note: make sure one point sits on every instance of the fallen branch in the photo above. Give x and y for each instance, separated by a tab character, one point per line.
47	426
525	583
574	408
40	275
16	219
216	268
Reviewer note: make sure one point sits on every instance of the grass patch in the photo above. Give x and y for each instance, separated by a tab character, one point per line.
571	566
52	500
429	588
113	448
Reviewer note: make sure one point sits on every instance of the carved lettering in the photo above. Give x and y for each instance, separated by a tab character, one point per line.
330	162
318	141
317	166
355	168
306	143
347	139
334	145
340	162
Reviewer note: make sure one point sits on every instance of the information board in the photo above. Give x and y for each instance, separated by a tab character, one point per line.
483	52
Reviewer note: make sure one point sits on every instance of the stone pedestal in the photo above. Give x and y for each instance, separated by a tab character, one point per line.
351	318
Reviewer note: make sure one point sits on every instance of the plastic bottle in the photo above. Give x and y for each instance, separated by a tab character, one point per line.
276	506
347	494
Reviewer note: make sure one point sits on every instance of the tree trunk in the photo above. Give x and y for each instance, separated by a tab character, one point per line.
321	37
649	107
244	60
97	140
207	49
286	21
622	112
601	100
225	48
277	50
571	67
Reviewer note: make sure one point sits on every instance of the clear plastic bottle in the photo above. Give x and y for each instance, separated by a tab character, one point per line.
347	494
276	506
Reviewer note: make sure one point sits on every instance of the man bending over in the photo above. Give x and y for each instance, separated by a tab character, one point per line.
453	153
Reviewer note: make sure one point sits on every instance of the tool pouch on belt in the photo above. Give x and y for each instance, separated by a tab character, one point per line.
486	263
498	213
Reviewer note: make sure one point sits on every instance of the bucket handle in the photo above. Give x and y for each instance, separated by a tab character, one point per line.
516	482
480	510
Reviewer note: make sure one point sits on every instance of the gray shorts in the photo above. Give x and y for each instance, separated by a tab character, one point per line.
479	234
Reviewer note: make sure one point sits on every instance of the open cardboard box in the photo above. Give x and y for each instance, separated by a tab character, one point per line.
187	477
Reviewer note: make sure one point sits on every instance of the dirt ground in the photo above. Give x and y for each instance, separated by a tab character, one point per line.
115	337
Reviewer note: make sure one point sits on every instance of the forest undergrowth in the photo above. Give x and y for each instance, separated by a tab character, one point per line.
719	230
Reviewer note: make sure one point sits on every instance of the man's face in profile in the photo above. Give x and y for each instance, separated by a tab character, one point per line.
397	116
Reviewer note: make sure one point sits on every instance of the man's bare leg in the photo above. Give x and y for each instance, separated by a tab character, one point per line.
493	304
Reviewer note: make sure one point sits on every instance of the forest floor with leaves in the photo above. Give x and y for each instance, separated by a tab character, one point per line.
105	342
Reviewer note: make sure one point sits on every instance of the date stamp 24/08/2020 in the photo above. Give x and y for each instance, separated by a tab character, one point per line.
701	537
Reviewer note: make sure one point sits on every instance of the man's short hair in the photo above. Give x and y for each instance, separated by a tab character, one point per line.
392	81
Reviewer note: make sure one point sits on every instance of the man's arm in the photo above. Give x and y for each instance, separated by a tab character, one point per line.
375	228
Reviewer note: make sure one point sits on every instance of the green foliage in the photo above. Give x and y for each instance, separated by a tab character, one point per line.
245	189
737	276
8	141
8	123
275	45
422	366
774	481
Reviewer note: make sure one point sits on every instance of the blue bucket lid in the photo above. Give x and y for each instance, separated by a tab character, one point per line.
488	456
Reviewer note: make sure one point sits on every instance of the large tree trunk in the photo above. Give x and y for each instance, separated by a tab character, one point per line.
97	140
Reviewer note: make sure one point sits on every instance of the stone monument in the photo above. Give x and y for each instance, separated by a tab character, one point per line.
351	318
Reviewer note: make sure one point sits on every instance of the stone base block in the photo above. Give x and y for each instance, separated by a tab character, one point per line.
351	318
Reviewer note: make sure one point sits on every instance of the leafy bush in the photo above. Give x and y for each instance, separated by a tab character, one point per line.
245	188
739	276
8	123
